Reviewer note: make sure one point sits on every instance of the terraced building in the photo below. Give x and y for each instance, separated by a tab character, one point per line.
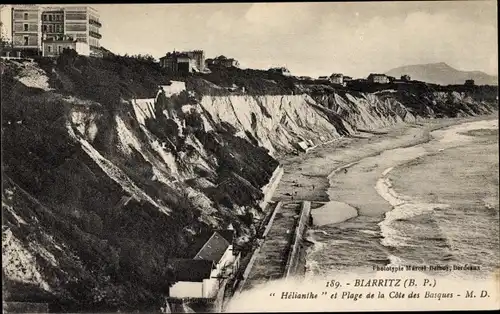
34	24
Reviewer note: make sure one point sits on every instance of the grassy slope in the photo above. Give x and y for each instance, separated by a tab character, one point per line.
118	254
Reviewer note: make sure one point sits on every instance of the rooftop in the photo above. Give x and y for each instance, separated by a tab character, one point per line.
214	248
204	237
54	7
186	269
176	54
227	234
59	41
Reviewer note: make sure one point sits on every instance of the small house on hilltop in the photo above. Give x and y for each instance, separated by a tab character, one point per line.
337	78
378	78
185	64
347	79
185	61
208	262
405	77
53	46
305	78
281	70
469	82
223	61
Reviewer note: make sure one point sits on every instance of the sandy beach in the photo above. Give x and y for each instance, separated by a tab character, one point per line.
385	211
307	176
349	182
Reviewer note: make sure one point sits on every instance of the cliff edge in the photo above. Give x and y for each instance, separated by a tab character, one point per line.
111	166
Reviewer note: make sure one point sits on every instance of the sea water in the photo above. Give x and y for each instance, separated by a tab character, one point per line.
442	210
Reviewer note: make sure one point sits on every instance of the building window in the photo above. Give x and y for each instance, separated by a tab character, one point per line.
81	38
25	16
25	27
51	28
44	17
49	48
76	16
76	27
44	28
59	48
26	40
50	18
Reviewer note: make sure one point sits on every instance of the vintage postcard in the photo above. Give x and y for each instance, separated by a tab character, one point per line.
250	157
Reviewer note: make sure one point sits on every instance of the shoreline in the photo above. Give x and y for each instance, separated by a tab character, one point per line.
457	211
405	135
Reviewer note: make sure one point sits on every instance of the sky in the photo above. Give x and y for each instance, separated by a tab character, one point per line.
312	38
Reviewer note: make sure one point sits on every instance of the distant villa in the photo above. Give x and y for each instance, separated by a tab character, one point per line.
281	70
378	78
184	61
223	61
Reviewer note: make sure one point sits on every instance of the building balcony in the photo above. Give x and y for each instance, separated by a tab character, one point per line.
21	32
95	22
53	32
95	35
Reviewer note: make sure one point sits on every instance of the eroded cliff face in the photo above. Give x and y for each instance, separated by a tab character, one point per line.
368	111
96	199
385	108
277	123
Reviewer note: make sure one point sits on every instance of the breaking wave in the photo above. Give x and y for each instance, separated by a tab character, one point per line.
403	209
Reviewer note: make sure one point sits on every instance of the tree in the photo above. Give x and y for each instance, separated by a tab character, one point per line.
67	57
144	58
149	58
5	43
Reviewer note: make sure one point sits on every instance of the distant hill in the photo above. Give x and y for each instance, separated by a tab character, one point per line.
442	73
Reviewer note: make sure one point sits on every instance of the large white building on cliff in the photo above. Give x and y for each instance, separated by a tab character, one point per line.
31	25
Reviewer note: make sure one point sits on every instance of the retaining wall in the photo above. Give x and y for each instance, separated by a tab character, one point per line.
219	299
293	256
269	188
256	251
25	307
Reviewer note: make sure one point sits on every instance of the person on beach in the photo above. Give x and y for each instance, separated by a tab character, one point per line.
345	170
313	186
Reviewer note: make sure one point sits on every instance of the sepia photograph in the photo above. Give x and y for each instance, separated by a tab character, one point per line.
250	157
